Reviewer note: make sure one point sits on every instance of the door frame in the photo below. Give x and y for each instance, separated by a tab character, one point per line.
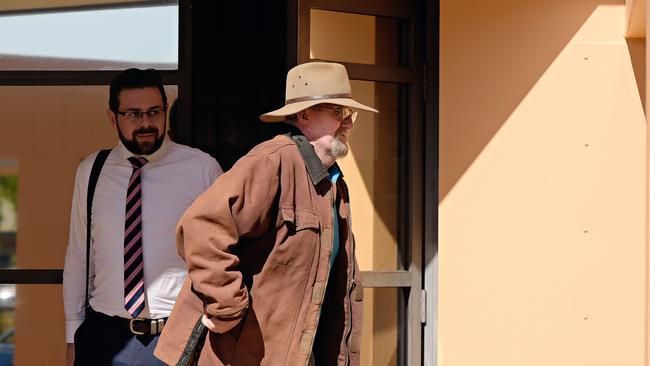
418	173
431	260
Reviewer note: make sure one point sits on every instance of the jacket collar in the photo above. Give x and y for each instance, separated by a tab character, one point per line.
315	167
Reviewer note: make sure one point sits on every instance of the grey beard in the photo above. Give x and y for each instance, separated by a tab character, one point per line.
339	149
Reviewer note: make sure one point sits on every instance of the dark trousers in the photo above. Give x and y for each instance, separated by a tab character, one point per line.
102	340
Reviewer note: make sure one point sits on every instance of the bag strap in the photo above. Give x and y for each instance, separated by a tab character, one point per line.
194	345
92	183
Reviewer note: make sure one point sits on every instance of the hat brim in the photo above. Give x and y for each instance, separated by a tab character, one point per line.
279	115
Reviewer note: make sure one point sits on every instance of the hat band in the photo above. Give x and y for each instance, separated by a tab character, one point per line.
318	97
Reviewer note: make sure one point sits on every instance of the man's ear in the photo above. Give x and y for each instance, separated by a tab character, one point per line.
303	117
111	117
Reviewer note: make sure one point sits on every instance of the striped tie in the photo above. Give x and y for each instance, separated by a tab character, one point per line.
133	263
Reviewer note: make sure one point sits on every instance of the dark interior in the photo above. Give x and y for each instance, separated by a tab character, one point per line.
239	65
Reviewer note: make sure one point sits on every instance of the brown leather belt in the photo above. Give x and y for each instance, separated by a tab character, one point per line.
138	326
146	326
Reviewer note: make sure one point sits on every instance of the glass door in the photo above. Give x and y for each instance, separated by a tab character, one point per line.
379	42
53	85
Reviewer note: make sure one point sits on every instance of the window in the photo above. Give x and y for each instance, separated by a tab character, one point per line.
8	230
103	39
54	67
374	41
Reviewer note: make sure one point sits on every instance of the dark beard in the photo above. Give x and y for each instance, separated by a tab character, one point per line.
142	148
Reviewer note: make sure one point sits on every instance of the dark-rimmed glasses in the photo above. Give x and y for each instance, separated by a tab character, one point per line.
153	114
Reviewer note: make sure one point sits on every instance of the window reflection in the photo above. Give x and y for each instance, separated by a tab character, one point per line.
48	142
356	38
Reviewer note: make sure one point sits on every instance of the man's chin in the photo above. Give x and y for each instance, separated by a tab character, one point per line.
146	148
339	149
142	147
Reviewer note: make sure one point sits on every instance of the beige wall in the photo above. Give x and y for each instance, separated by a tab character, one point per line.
48	130
542	211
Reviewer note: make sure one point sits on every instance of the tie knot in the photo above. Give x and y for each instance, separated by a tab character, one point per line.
138	161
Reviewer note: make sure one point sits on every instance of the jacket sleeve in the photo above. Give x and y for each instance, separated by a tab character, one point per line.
238	205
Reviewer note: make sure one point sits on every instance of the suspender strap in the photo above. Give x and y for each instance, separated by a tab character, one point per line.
92	183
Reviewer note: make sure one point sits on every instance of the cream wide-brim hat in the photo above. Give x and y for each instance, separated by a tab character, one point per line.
314	83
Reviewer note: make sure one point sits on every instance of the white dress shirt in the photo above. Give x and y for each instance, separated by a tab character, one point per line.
172	179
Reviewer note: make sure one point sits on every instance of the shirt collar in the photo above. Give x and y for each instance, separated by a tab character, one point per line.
162	150
335	173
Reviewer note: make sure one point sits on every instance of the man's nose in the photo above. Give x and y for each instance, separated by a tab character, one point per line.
145	120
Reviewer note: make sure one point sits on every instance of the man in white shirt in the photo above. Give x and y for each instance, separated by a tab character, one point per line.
135	274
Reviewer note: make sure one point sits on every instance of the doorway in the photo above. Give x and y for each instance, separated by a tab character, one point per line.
382	45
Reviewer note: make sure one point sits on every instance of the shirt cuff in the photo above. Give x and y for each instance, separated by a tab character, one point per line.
70	328
221	326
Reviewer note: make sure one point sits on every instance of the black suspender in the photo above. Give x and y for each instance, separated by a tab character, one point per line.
92	183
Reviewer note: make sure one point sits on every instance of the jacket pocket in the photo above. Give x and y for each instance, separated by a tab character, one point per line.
297	238
300	218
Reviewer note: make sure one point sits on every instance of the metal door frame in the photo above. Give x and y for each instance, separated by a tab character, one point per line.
414	76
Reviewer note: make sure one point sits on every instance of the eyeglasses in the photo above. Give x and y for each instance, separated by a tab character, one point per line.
341	112
153	114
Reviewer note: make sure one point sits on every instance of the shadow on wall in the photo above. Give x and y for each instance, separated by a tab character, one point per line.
491	54
636	48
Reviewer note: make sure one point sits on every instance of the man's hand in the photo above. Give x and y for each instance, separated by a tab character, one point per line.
69	354
221	326
208	323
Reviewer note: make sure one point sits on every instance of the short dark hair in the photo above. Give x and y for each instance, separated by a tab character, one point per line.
134	79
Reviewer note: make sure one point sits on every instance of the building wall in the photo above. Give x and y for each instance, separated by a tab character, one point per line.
542	209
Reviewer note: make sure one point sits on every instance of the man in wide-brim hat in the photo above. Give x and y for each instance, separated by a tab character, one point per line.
273	278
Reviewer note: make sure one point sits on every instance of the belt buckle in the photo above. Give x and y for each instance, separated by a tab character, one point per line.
157	326
131	327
